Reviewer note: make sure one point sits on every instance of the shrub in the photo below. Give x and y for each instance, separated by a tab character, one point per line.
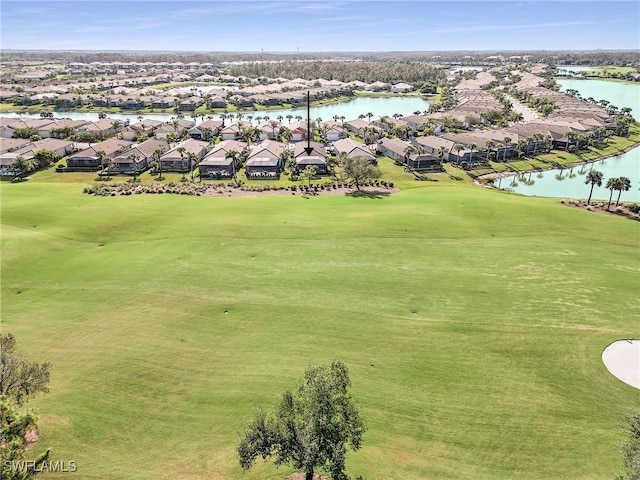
634	207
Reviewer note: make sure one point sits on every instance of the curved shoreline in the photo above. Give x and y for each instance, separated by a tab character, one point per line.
496	175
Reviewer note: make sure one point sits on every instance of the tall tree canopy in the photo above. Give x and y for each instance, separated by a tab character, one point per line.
312	426
20	380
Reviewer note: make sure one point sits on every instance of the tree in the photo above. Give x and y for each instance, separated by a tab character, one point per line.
624	184
309	172
310	428
22	166
157	153
359	170
612	184
594	177
20	380
630	448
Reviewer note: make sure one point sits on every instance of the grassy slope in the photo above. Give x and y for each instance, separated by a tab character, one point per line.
472	322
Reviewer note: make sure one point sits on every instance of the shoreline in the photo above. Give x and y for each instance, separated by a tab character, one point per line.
497	175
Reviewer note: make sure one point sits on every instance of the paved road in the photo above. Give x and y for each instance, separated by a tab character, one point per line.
525	111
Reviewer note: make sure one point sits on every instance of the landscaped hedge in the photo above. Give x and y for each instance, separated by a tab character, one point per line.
199	189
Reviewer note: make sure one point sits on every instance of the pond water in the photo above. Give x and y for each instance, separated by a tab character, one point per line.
577	68
618	93
569	182
379	106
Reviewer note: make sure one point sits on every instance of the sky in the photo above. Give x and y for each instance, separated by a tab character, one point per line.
317	26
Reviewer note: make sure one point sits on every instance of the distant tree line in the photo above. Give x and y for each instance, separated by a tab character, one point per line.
387	72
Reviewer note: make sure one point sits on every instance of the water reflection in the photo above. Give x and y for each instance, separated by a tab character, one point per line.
570	182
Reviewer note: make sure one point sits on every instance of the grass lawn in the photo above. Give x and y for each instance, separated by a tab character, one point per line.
472	321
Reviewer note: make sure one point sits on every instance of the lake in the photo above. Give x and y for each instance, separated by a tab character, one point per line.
351	109
619	94
569	182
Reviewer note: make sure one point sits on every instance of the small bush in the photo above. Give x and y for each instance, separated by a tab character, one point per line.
634	207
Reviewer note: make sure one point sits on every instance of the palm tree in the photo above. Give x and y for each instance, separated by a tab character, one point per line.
612	184
623	184
490	145
594	177
273	125
233	155
289	117
441	153
507	142
181	151
472	147
458	148
369	115
193	163
104	160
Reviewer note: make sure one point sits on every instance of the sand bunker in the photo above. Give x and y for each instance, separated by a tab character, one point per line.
622	359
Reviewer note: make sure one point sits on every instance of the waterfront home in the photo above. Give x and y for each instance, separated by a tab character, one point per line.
361	127
353	149
89	159
335	131
405	153
103	128
418	123
9	126
137	159
216	101
206	130
230	132
317	158
190	104
376	87
299	131
61	128
401	88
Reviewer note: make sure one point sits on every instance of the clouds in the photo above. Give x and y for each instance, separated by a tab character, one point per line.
215	25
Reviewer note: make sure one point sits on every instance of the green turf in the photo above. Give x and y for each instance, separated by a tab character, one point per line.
472	321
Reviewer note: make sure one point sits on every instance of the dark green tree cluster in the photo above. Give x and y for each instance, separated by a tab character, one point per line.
310	428
20	380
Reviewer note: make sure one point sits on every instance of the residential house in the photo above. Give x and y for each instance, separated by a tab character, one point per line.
407	154
299	131
206	130
177	160
138	158
402	88
89	159
433	145
353	149
265	160
317	158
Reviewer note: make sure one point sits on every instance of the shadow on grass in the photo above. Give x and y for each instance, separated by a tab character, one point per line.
372	194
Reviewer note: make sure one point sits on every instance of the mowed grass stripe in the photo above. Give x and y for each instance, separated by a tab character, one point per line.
472	323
